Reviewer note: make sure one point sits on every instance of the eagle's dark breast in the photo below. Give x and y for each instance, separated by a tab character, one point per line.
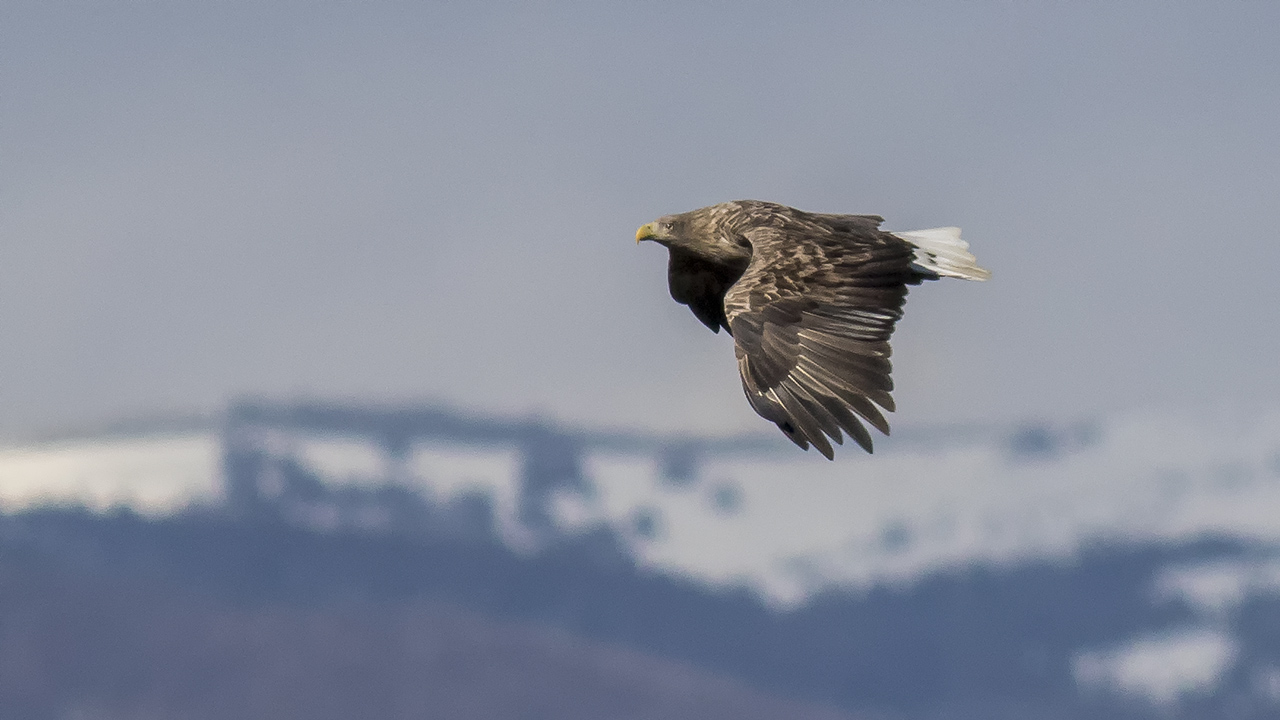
701	284
811	314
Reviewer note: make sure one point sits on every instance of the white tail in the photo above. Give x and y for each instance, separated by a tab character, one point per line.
940	251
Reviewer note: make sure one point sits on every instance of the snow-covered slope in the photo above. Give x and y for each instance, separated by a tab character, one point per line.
787	523
152	475
803	523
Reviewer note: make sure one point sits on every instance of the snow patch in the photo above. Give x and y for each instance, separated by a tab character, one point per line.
1162	670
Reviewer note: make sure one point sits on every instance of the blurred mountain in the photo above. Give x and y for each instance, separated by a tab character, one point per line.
1127	568
116	647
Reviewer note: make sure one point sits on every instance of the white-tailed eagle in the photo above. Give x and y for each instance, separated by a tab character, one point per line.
810	300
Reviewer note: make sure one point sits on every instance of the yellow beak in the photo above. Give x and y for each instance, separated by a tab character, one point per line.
645	232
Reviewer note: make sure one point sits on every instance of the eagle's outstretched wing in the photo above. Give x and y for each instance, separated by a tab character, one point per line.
811	318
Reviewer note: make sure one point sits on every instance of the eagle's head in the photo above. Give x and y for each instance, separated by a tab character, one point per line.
705	232
662	231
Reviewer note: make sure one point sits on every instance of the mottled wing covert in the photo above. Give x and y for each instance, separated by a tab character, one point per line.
811	318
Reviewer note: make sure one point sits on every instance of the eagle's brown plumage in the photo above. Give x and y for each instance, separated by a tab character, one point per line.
811	300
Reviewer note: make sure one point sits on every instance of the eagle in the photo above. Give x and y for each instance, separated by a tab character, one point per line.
810	300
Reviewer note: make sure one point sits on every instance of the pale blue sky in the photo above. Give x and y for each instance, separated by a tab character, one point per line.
415	201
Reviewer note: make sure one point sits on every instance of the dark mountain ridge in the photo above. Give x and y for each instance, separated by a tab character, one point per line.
969	642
